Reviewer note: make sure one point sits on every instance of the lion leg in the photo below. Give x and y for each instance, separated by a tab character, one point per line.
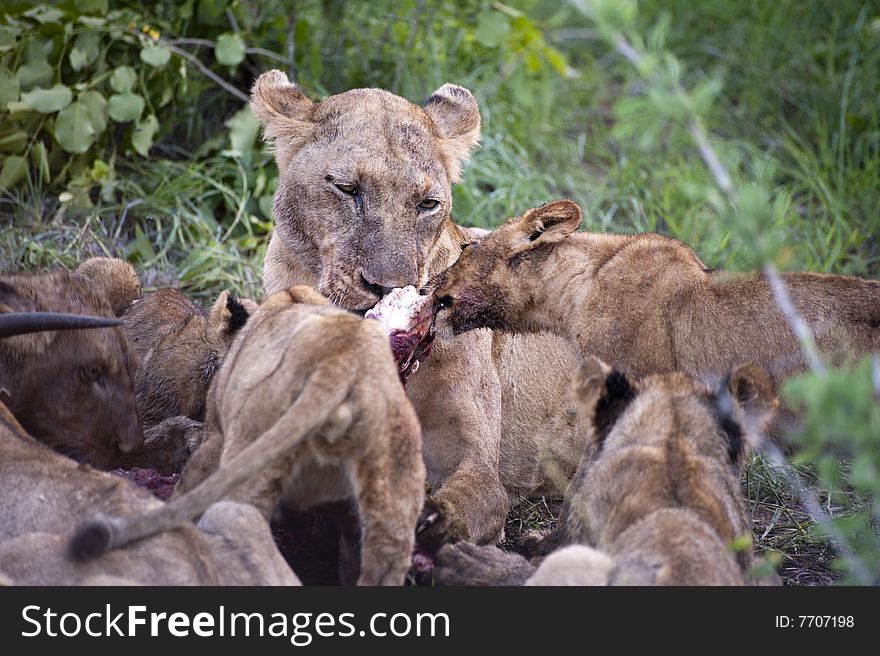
470	506
345	516
388	518
457	396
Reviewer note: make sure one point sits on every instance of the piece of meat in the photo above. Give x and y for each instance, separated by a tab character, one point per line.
161	486
408	318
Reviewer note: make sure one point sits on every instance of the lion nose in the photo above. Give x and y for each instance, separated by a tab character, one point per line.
131	438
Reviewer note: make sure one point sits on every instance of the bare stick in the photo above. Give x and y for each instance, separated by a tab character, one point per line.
724	181
207	72
291	42
800	328
232	20
204	70
814	509
795	321
207	43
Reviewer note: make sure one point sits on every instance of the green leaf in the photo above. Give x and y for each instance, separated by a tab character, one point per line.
40	160
16	108
265	205
7	37
92	21
74	131
92	6
243	130
144	134
493	28
97	109
47	101
13	141
14	169
558	62
9	87
229	50
209	11
85	50
123	79
140	249
156	56
34	73
125	107
43	14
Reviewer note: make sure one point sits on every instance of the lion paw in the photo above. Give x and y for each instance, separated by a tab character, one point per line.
439	524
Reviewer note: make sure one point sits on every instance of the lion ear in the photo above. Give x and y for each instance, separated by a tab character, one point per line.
229	314
752	390
456	114
115	279
282	108
547	224
589	382
604	394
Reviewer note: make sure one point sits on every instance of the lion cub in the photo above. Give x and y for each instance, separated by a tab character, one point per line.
645	303
307	409
658	490
180	348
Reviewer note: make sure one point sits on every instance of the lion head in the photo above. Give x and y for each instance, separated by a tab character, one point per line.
364	196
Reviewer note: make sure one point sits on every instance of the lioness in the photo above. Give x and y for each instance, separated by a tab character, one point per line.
72	390
363	206
658	490
307	408
645	303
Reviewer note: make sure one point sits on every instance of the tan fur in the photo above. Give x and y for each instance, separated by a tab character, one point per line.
658	492
308	409
72	390
47	494
575	564
476	396
646	303
661	494
114	279
180	347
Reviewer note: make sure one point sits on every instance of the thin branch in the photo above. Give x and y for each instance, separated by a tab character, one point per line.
724	181
291	42
186	41
722	177
625	49
795	321
207	43
267	53
800	328
203	69
811	504
232	20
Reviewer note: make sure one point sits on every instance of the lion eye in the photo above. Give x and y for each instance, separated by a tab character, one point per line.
347	188
92	374
429	204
